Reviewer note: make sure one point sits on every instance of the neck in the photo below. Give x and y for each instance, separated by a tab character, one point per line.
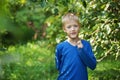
73	41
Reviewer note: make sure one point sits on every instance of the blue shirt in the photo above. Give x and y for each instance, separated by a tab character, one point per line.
72	62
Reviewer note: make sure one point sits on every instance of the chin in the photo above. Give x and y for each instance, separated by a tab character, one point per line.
73	37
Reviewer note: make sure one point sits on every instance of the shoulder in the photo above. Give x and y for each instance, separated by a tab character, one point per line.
85	42
86	45
61	45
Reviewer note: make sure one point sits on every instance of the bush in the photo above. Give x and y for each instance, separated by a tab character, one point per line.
35	61
107	69
32	61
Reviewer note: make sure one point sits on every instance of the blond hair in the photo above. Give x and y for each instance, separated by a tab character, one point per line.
70	17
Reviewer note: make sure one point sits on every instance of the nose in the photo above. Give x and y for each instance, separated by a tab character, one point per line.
72	28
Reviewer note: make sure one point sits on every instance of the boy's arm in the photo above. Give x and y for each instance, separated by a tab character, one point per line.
57	57
87	56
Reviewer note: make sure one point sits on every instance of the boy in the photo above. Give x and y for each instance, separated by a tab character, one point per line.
73	55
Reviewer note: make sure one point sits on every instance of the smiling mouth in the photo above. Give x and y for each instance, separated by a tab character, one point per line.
73	33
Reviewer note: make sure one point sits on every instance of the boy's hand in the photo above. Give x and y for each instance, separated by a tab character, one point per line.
79	44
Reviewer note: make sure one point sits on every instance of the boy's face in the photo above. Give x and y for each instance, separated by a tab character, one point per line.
72	29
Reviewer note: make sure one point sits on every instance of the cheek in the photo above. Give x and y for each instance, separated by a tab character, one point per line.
65	29
78	28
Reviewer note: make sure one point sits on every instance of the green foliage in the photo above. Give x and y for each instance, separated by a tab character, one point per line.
100	24
106	70
103	21
11	32
35	61
27	62
99	21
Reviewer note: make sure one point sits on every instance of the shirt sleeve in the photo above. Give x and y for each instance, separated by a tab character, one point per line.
57	57
87	56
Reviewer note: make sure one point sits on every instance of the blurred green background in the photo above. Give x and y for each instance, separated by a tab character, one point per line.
30	30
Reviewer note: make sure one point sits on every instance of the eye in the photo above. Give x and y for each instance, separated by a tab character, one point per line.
68	27
75	25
